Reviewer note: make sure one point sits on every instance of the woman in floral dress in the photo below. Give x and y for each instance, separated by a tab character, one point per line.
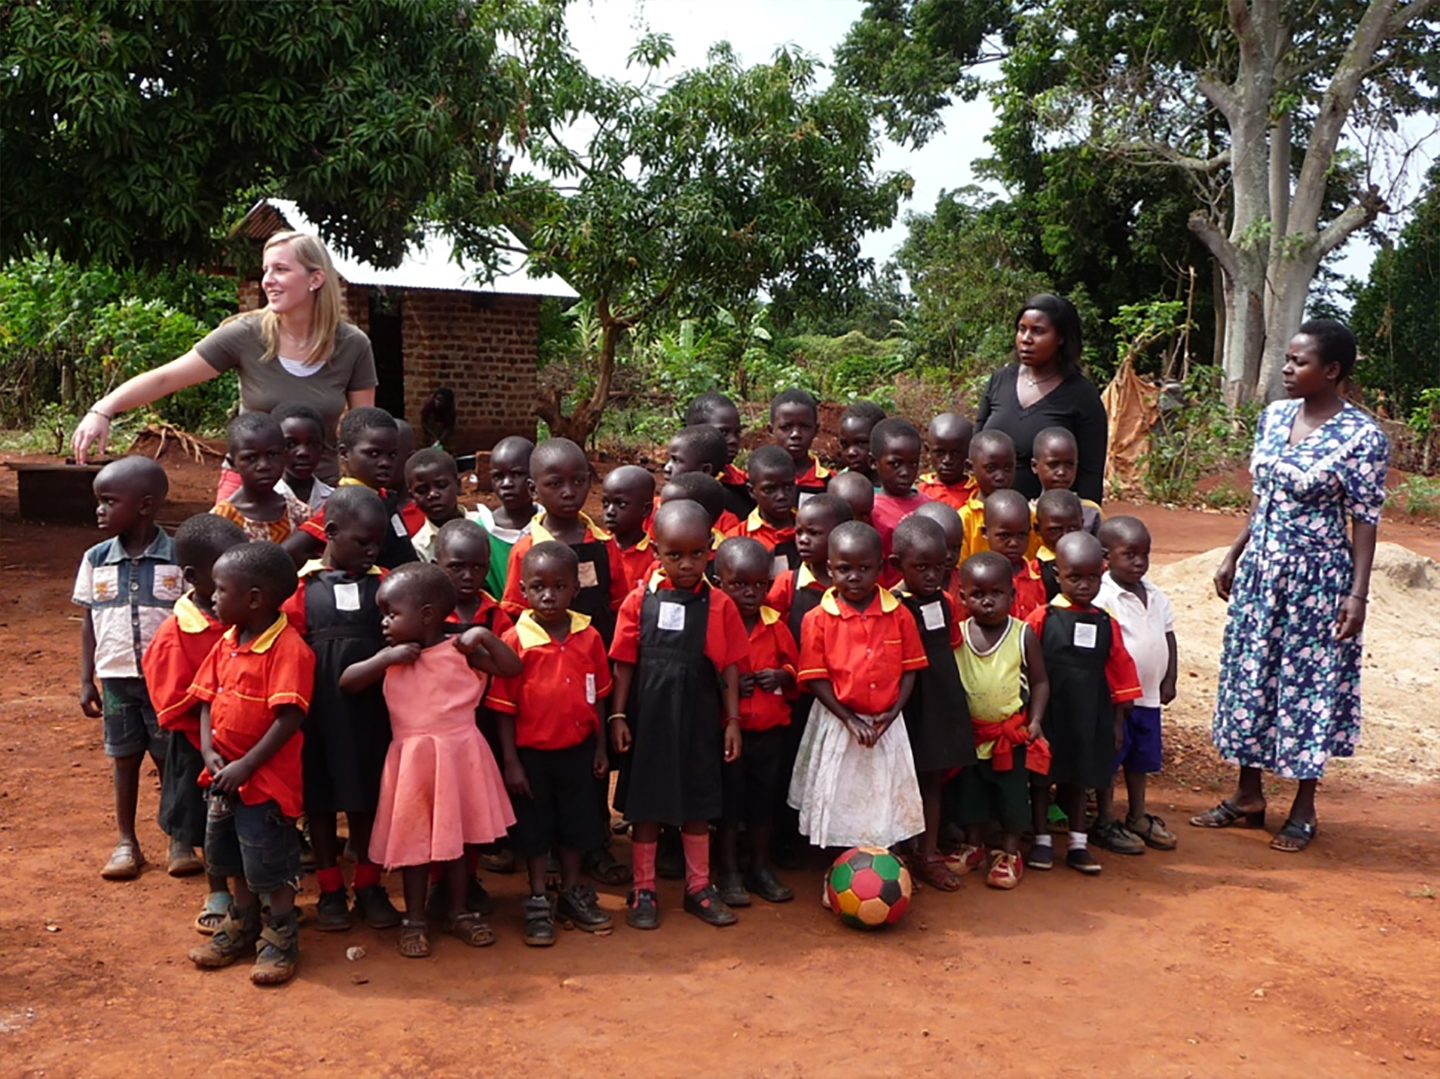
1289	695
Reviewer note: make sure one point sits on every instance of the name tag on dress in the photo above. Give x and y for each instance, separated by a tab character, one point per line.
347	596
672	616
398	524
588	577
1085	635
590	689
933	616
780	565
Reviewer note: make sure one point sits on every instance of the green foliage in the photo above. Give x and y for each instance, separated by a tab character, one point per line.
1419	496
1196	437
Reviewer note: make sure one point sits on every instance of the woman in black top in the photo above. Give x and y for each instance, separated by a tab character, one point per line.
1045	388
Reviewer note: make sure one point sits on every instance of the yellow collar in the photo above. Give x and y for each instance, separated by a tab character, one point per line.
315	565
532	634
768	615
540	533
804	576
831	603
1045	554
820	470
190	617
351	481
263	642
755	522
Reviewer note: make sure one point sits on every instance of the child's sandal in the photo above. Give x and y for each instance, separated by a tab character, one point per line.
414	941
935	872
469	928
212	914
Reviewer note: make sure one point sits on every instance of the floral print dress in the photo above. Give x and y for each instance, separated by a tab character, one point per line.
1289	694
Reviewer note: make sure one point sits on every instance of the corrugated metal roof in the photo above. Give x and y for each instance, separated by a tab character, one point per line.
430	266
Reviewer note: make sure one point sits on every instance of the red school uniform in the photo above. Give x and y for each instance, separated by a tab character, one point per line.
488	614
954	495
782	590
1120	670
637	562
513	600
1029	590
772	647
553	698
862	653
757	528
246	684
812	480
175	654
726	641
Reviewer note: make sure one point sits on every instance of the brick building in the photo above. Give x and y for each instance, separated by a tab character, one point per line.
431	324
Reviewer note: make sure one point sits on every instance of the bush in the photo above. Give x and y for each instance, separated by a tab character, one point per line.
1195	438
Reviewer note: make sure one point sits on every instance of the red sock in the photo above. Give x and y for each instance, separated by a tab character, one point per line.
697	861
367	874
330	880
642	865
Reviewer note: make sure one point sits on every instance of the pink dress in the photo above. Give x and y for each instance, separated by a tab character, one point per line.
441	787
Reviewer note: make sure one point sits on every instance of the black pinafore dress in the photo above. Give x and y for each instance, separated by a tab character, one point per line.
1050	576
672	773
396	548
937	717
1079	723
346	734
593	599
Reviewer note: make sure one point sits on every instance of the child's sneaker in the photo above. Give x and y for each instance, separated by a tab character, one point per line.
539	921
1080	858
1152	831
1116	838
1005	871
1040	858
373	905
278	952
967	859
579	907
332	912
236	936
643	909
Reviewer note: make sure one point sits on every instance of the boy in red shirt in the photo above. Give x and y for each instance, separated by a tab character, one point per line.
1008	531
720	413
856	425
701	448
772	521
256	685
628	499
462	550
794	423
949	438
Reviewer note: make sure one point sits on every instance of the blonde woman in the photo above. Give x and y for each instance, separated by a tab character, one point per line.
299	347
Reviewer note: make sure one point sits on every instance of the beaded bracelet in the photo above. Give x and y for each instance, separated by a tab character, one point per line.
109	418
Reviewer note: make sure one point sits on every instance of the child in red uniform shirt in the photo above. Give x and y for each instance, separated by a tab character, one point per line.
857	492
628	499
895	448
678	646
794	423
1007	532
720	413
701	448
949	438
767	686
175	654
854	781
256	685
551	741
772	521
856	424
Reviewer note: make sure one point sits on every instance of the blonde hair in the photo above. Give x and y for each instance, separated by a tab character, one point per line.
328	309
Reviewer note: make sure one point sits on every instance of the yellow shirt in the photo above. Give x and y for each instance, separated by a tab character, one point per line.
995	682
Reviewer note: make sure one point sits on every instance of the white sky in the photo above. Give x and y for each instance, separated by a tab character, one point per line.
604	31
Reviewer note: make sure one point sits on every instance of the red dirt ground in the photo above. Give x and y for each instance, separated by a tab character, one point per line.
1220	959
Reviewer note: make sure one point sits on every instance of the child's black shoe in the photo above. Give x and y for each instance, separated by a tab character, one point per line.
477	899
707	905
579	907
764	883
1081	859
643	909
373	905
332	912
732	890
539	921
1041	858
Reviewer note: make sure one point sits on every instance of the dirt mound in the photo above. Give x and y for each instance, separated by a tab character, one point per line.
1400	738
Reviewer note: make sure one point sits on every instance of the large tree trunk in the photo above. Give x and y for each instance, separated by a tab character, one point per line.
581	423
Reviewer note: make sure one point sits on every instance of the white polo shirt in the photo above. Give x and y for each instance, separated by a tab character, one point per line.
1144	626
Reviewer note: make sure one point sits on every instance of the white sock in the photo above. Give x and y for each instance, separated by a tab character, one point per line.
1045	840
1079	840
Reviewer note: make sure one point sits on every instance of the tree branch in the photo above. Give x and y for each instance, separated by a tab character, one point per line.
1216	241
1221	95
1406	14
1168	155
1354	217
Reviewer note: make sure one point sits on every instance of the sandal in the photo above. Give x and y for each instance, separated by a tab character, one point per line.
935	872
1226	814
601	865
212	914
1152	831
125	861
469	928
414	942
1294	836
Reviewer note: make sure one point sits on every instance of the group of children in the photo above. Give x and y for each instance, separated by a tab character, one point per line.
869	657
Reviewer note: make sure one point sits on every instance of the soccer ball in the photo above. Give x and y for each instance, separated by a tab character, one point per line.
868	887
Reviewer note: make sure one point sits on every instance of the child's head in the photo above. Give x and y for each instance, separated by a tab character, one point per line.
369	445
199	541
856	424
304	431
988	584
772	483
814	521
434	482
720	413
462	549
627	496
1055	458
128	494
682	541
549	579
256	446
1057	513
1126	541
855	557
745	569
698	448
1007	525
921	554
559	478
510	472
794	423
992	461
355	524
251	581
699	488
1079	563
856	489
895	449
949	437
949	522
414	601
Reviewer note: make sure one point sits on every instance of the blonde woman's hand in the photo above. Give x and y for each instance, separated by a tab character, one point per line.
93	430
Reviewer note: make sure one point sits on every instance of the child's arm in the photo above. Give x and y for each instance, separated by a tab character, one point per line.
213	761
730	702
90	702
487	652
302	547
824	691
774	680
367	672
1039	680
1167	684
232	776
602	758
884	720
619	728
516	781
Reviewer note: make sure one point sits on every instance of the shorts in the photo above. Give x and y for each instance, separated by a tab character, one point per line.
182	799
980	794
751	786
1141	749
130	724
563	810
257	844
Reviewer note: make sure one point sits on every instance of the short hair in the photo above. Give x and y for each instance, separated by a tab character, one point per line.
551	551
1007	498
253	424
1088	546
626	475
462	528
915	531
263	565
943	514
682	513
1054	434
1066	320
431	458
298	410
795	396
352	501
863	410
842	480
513	443
1059	500
357	421
138	473
836	507
702	489
705	405
1122	529
708	444
554	451
205	537
988	560
769	458
741	553
424	583
405	432
992	440
961	423
1336	344
857	532
892	430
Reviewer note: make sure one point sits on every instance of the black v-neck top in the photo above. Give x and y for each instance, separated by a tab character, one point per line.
1074	404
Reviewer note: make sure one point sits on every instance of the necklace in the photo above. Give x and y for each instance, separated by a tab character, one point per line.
1032	382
